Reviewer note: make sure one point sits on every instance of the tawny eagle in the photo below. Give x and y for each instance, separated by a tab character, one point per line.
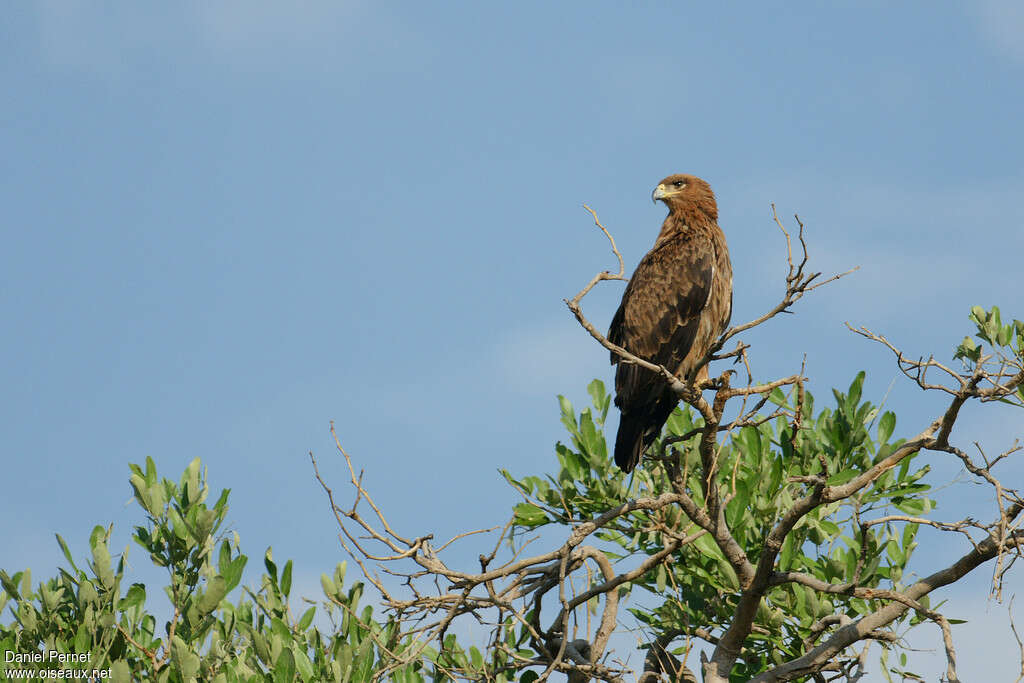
677	303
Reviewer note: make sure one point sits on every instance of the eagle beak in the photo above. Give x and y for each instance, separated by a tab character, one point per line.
659	193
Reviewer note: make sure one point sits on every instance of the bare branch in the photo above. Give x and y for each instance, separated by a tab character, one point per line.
1020	645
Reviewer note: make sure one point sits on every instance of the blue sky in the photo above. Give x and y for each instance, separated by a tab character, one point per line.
227	224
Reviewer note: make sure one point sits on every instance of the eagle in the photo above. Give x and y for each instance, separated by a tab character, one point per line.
675	306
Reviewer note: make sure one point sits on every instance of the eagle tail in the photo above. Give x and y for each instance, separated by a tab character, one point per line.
630	441
637	432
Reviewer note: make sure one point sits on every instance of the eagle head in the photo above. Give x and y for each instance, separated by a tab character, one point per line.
683	192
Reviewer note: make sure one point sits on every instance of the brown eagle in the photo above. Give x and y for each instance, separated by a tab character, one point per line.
677	303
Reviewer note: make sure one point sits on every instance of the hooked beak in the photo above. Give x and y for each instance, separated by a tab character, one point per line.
659	193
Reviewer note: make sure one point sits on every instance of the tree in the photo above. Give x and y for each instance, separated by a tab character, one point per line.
773	530
84	624
779	535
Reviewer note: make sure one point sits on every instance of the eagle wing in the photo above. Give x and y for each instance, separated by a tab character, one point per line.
659	317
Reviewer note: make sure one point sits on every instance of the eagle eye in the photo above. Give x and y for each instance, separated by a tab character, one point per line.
679	183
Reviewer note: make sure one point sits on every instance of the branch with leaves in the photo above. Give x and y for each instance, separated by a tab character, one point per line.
779	536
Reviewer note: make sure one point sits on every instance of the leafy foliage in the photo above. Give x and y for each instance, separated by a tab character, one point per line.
1006	341
264	635
698	588
992	330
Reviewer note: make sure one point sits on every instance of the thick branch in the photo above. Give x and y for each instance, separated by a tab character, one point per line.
847	635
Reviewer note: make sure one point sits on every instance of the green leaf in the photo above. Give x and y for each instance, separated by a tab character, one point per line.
896	556
10	585
216	589
83	639
86	592
750	441
136	595
120	672
233	573
268	562
829	528
842	477
707	546
138	484
660	578
853	397
568	414
739	506
592	441
224	558
363	661
909	532
302	663
67	553
968	349
529	515
190	483
1005	335
222	503
284	667
786	554
328	586
850	557
598	395
286	578
913	506
307	617
339	574
727	575
27	616
886	426
188	661
101	558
